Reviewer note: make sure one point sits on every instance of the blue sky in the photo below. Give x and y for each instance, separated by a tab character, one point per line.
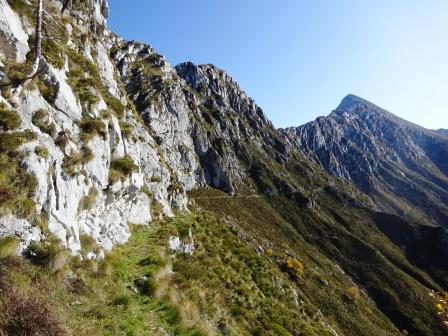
299	58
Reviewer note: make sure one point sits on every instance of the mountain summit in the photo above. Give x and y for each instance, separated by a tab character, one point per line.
352	101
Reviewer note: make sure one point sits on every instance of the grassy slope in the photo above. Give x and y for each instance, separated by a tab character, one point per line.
225	288
351	239
89	299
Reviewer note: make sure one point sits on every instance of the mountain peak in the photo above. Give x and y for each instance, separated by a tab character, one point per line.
351	102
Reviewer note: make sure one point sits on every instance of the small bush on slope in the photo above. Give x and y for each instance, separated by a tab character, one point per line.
121	168
9	120
9	246
40	119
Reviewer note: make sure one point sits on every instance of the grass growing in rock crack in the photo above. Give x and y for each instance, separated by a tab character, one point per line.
40	119
9	120
121	168
17	186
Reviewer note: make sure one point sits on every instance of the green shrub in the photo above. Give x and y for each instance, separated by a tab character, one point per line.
294	266
41	151
125	165
50	252
105	114
25	207
40	120
121	168
236	310
156	209
114	104
10	142
84	79
71	163
9	246
156	179
121	301
146	191
115	176
353	293
53	53
17	72
62	139
88	243
171	315
9	120
49	92
16	186
92	127
126	128
84	88
59	260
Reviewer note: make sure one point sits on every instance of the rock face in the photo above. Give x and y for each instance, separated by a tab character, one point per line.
164	170
13	39
182	127
402	166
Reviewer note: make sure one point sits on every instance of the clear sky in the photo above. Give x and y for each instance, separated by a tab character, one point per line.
299	58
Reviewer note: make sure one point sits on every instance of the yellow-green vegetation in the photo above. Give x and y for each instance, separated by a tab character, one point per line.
323	243
353	293
229	286
62	139
49	253
9	120
115	104
23	7
126	128
112	297
156	209
72	162
239	291
294	266
53	52
441	305
91	127
16	72
41	151
121	168
40	120
10	142
86	82
9	246
88	244
49	92
16	185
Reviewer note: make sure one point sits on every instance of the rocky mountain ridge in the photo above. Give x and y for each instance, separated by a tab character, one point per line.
402	166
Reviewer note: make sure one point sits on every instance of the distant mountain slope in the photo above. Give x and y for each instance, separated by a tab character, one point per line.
402	166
